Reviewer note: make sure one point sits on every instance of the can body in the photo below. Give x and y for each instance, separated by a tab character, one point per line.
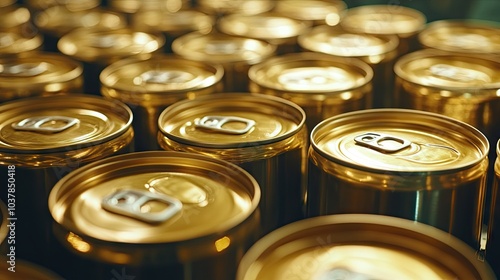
493	243
404	163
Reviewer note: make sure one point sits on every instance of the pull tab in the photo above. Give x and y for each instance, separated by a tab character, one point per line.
130	202
38	124
216	122
23	69
380	142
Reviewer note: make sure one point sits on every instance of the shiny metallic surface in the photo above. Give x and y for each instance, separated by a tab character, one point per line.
493	242
18	44
405	163
360	246
135	6
243	7
319	12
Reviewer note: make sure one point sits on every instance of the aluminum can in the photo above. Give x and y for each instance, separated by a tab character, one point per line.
277	29
21	269
243	7
41	140
378	51
264	135
462	36
493	242
360	246
410	164
323	85
235	54
37	74
149	86
14	44
156	215
97	48
319	12
398	20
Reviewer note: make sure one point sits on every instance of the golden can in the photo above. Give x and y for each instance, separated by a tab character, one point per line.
37	6
243	7
493	242
467	36
318	12
14	17
406	163
264	135
97	48
235	54
398	20
134	6
156	214
360	246
323	85
149	86
39	73
277	29
41	140
378	51
21	269
13	44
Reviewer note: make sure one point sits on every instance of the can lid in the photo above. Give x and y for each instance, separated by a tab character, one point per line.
60	123
446	70
314	73
222	48
109	45
324	11
399	140
242	7
181	21
462	36
360	246
384	19
17	43
14	16
231	120
336	41
154	197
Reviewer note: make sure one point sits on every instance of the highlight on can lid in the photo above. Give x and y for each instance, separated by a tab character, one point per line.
320	12
360	246
173	22
15	43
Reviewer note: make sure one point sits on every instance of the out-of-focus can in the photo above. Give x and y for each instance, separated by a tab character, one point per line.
275	28
97	48
14	17
149	86
156	215
265	135
360	246
41	140
493	237
398	20
242	7
406	163
36	6
378	51
39	73
466	36
323	85
14	44
21	269
318	12
236	54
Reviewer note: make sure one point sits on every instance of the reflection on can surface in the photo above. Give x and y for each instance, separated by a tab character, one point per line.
493	243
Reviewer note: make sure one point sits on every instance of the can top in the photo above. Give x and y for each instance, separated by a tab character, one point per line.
336	41
17	43
154	197
222	48
109	45
231	120
14	16
309	72
399	140
265	26
447	70
384	19
60	123
181	21
360	246
462	36
323	11
242	7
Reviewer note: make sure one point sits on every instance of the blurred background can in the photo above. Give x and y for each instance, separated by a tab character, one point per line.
220	8
156	215
44	138
405	163
360	246
15	44
149	86
323	85
264	135
493	243
319	12
235	54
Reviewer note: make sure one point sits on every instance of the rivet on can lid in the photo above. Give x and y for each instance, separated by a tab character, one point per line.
216	123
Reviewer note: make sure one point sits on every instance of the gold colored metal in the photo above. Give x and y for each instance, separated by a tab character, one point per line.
174	23
14	17
71	5
405	163
18	44
137	6
319	12
243	7
323	85
25	270
360	246
493	237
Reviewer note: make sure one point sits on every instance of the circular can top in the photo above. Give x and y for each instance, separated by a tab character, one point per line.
231	120
372	48
360	246
447	70
60	123
222	48
13	16
265	26
163	79
384	19
25	270
309	72
109	45
242	7
320	11
14	43
399	140
469	36
179	22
